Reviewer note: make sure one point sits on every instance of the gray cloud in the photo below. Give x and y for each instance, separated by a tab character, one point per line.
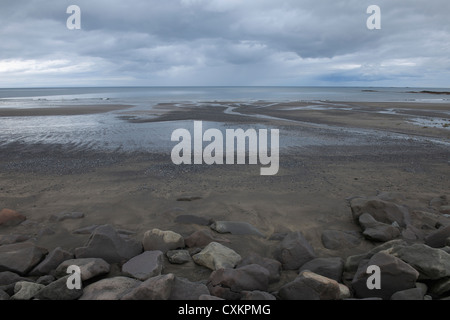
225	42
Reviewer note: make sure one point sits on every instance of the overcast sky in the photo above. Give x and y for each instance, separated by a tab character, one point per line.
225	43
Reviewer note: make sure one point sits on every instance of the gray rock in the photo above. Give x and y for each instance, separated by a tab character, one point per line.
236	227
382	211
202	238
51	262
432	264
377	231
396	275
328	267
191	219
13	238
412	234
45	280
440	288
10	218
86	230
257	295
106	243
336	240
216	256
109	289
178	256
20	257
229	283
207	297
272	265
294	251
57	217
438	239
4	296
410	294
184	289
156	288
162	240
58	290
26	290
8	277
144	266
310	286
89	267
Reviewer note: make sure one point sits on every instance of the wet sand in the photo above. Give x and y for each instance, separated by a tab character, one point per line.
139	191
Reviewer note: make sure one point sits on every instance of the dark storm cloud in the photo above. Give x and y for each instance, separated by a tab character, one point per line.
224	42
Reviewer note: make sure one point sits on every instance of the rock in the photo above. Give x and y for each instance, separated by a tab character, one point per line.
396	275
273	266
207	297
184	289
257	295
310	286
216	256
144	266
13	238
344	292
156	288
45	280
412	234
382	211
377	231
89	267
86	230
191	219
58	290
432	264
26	290
109	289
10	218
447	242
51	262
294	251
410	294
444	209
229	283
162	240
8	277
328	267
438	239
3	295
57	217
202	238
236	227
20	257
336	240
440	288
106	243
178	256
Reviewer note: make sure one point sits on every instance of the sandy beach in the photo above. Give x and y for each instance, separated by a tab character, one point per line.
354	149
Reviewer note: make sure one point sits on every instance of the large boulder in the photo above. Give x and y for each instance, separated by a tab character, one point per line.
144	266
438	239
109	289
156	288
20	258
310	286
58	290
382	211
106	243
395	275
336	240
272	265
89	267
51	262
10	218
294	251
377	231
216	256
24	290
328	267
178	256
229	283
162	240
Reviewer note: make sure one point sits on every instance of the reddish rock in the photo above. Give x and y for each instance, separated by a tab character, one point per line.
11	218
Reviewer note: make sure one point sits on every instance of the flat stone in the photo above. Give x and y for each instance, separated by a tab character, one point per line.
257	296
438	239
144	266
377	231
294	251
410	294
110	289
57	217
202	238
26	290
178	256
236	228
106	243
156	288
328	267
51	262
10	218
192	219
432	264
272	265
58	290
89	267
216	256
336	240
383	211
229	283
162	240
396	275
183	289
310	286
20	257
